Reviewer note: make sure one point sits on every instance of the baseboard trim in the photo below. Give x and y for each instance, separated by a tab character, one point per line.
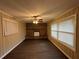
61	50
11	49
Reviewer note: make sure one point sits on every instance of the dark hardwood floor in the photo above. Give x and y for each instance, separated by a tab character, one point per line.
36	49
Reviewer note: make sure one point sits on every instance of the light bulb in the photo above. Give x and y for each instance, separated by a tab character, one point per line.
36	22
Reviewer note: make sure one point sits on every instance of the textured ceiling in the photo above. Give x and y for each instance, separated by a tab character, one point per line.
46	9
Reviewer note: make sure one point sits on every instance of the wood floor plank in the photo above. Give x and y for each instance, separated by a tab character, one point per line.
36	49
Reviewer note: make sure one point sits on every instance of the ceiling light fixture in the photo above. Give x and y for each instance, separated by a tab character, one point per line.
36	20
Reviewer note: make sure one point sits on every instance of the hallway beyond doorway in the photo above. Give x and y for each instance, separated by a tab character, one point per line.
36	49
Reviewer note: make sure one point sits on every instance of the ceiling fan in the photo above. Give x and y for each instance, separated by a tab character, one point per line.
37	20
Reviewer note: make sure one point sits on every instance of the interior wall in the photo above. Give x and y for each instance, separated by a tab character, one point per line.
40	27
66	50
77	36
8	42
0	37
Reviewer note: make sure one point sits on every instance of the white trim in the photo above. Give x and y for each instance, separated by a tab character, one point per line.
11	49
61	50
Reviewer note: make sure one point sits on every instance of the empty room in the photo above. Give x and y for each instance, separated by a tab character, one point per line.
39	29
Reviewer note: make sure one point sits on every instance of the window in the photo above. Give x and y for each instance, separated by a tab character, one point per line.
54	27
66	38
54	30
54	34
10	27
64	31
67	26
